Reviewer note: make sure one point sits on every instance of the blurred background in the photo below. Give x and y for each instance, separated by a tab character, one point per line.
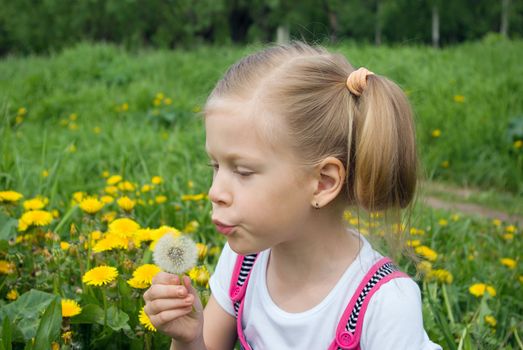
48	25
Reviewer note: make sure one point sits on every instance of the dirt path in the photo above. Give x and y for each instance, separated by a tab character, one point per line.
464	207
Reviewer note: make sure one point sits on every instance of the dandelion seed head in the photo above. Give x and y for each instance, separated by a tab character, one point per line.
175	254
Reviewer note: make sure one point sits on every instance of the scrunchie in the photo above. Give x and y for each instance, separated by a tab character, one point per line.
357	80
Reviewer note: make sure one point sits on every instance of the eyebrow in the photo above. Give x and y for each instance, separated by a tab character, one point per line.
234	156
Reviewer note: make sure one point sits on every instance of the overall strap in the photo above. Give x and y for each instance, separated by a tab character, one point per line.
349	328
239	281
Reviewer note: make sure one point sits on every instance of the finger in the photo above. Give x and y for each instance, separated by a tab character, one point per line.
192	291
161	291
159	305
165	278
167	316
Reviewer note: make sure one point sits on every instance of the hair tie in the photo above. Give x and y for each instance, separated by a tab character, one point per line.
357	80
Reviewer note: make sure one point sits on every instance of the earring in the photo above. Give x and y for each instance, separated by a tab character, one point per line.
316	205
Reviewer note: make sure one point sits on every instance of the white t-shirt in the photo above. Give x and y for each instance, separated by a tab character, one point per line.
393	319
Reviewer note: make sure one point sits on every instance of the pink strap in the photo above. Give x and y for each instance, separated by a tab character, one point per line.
345	339
237	293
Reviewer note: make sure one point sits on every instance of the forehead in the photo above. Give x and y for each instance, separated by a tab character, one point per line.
241	126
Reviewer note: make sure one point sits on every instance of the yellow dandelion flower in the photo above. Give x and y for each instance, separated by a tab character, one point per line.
143	276
160	199
6	267
479	289
490	320
126	186
455	217
35	203
156	180
12	295
214	251
200	275
445	164
508	236
518	144
136	283
67	337
22	111
459	98
100	275
510	229
413	243
496	222
78	197
64	245
426	252
167	101
36	218
107	243
107	199
109	217
520	278
196	109
443	222
10	196
91	205
510	263
70	308
424	267
126	203
202	250
145	321
436	133
125	227
105	174
191	226
112	190
440	275
113	180
146	188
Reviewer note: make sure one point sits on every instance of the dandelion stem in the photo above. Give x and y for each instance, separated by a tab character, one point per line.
516	335
104	297
447	304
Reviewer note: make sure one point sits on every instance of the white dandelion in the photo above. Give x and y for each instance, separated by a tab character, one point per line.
175	254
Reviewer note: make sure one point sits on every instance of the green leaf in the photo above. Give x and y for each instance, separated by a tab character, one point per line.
49	328
25	313
6	335
91	314
7	227
117	319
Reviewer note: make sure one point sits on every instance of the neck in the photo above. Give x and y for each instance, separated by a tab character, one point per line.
323	248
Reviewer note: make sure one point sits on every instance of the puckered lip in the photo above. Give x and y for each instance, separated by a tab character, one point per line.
223	228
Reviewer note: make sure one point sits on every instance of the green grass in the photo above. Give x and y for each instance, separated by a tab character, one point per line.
94	81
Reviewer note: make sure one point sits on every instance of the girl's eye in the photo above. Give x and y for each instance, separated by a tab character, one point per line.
243	173
214	166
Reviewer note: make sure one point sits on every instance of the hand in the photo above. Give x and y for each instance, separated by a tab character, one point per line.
173	308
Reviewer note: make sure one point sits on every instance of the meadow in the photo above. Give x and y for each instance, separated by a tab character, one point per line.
102	153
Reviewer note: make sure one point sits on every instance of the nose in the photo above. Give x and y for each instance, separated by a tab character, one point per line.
219	192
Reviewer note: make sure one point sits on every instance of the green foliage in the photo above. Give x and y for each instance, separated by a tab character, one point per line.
48	26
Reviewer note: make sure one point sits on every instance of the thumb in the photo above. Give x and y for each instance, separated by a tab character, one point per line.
197	302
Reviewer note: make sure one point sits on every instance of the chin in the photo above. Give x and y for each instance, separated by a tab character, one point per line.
243	249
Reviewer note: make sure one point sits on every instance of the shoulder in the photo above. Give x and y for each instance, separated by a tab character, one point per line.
394	319
221	278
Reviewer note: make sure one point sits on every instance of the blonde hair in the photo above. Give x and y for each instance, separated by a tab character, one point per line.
373	134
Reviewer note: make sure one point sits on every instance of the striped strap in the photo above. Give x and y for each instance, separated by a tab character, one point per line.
349	328
240	278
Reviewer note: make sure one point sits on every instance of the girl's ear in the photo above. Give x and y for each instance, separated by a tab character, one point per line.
330	180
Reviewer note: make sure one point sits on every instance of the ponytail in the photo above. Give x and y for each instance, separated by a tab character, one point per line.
385	161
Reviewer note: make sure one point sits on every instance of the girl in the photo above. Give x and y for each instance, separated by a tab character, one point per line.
295	135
